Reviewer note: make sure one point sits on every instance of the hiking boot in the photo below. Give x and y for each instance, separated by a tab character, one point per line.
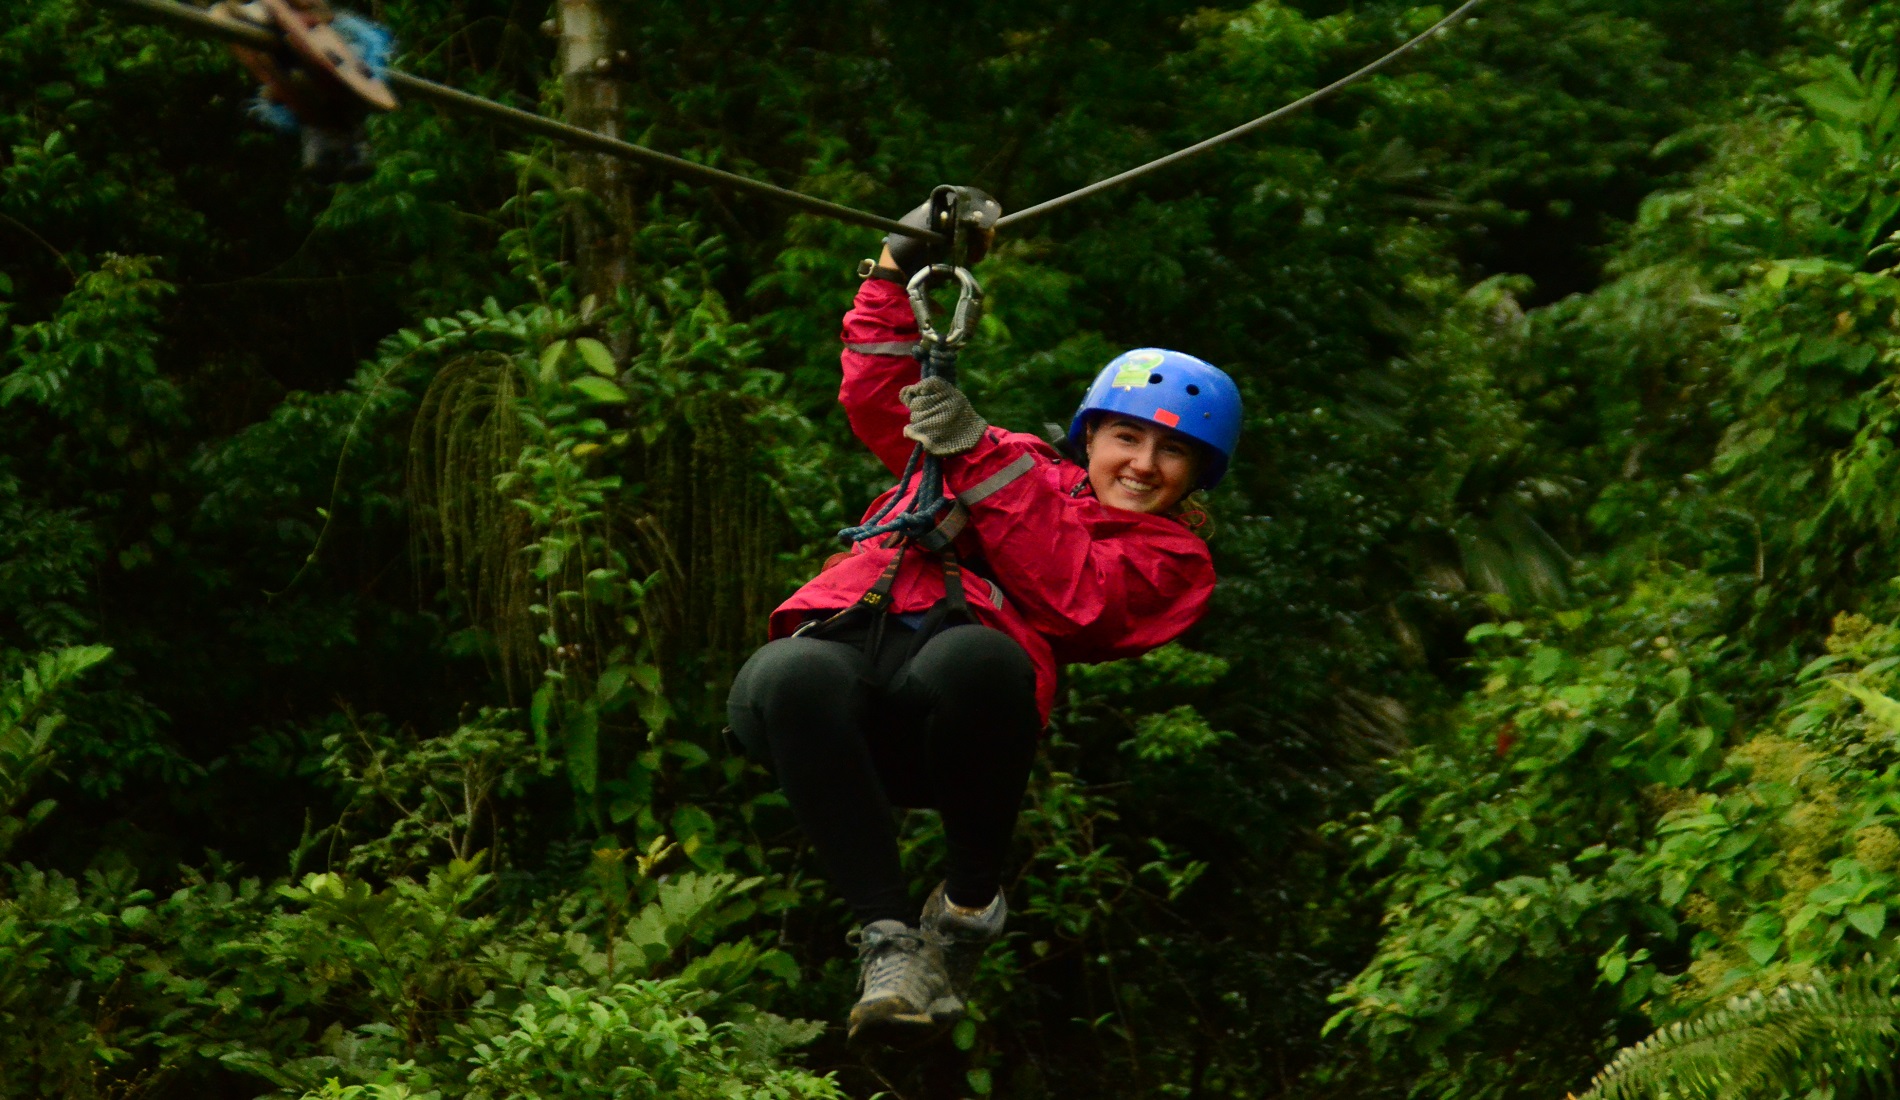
963	937
901	980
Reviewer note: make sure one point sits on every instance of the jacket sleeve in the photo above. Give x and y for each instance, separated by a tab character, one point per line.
878	334
1098	582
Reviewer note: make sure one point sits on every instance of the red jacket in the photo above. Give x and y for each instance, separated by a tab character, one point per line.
1068	577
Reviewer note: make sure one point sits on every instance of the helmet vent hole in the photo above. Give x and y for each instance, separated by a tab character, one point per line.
1154	380
1194	391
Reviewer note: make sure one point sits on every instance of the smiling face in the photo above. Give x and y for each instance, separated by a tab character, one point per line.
1140	465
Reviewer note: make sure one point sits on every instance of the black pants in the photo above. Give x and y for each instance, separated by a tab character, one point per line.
954	730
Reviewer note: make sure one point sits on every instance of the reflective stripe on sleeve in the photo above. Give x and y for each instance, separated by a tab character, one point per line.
982	490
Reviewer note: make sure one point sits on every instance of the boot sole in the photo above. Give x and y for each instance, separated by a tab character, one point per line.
878	1025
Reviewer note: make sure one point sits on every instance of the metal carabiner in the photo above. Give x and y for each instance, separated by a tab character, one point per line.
963	319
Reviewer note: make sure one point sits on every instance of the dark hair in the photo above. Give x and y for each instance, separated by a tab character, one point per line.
1070	449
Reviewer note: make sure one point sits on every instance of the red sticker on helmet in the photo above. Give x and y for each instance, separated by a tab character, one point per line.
1166	419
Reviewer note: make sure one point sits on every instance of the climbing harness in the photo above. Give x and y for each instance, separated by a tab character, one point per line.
321	77
196	20
932	522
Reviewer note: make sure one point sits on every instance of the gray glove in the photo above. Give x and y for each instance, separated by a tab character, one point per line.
913	254
941	417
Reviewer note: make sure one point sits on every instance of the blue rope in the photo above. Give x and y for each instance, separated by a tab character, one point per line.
929	501
914	524
903	483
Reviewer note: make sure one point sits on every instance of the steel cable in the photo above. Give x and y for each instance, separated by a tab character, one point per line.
199	21
1242	130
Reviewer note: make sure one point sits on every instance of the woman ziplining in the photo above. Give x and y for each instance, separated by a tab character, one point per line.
918	668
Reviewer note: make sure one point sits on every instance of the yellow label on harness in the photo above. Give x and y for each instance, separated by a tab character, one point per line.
1135	369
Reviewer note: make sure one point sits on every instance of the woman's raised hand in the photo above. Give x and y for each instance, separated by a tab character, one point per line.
912	254
941	417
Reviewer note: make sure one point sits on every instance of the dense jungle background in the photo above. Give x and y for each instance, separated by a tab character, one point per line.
373	557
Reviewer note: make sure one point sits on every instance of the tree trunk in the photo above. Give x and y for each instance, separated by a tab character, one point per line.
603	236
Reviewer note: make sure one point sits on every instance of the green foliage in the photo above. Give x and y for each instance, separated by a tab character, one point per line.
1652	806
635	1041
1764	1044
431	799
427	983
27	725
423	572
27	718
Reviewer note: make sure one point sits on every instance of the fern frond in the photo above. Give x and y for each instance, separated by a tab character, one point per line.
1763	1044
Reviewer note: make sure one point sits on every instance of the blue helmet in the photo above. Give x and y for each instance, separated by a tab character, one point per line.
1174	390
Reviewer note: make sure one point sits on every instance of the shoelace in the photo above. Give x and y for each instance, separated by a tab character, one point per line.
890	966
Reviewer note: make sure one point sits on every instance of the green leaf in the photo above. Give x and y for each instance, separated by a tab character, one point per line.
1803	918
654	711
1692	821
691	821
1614	968
1718	712
596	356
1882	708
600	390
780	965
551	360
582	737
694	755
979	1081
1832	101
1868	919
538	712
611	683
964	1037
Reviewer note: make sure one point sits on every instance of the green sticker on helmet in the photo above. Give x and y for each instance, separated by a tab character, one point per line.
1135	369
